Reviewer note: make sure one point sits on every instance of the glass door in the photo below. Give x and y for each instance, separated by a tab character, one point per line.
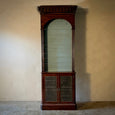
50	86
66	89
58	46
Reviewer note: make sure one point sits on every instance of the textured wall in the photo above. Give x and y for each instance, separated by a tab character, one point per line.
20	49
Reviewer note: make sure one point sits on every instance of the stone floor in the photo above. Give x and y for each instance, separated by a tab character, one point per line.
33	108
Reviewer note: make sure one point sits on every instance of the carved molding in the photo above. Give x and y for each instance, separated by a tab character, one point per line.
57	9
49	13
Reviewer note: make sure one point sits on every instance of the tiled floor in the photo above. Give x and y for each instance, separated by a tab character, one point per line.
33	108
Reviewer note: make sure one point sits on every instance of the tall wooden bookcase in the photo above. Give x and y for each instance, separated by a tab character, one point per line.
58	74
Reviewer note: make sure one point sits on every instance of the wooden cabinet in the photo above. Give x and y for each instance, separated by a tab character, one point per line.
58	74
58	91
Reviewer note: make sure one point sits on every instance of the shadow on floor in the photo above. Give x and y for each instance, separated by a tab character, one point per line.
95	105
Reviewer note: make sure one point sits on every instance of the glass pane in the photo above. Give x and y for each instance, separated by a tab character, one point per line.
50	88
66	81
50	82
50	95
59	46
66	88
66	95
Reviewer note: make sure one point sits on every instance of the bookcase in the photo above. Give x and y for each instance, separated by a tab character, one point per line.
58	74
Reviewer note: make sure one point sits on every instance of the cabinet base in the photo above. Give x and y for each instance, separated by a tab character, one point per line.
59	106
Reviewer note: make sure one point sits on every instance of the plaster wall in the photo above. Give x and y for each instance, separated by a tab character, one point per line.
20	49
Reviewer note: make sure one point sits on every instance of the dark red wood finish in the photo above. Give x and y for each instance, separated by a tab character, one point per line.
58	104
59	107
45	74
49	13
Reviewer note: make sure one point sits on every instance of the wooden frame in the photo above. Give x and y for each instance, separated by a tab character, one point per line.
49	13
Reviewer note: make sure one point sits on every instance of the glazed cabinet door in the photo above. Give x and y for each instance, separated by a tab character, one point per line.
58	88
67	88
50	88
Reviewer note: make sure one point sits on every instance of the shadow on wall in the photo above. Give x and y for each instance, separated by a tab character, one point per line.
82	77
